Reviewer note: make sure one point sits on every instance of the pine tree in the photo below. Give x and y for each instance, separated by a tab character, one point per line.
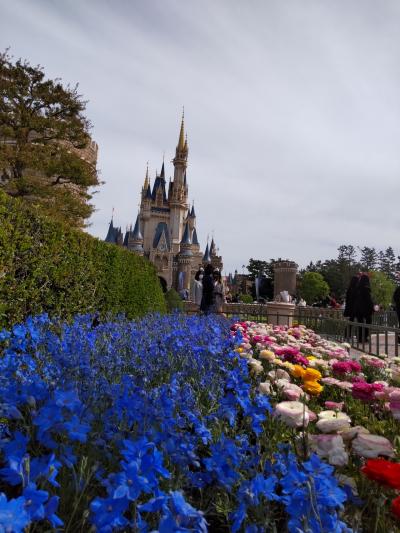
387	262
42	132
368	259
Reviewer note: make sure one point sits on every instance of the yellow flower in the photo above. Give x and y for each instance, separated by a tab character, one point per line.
267	354
239	350
311	357
287	365
313	387
311	375
298	371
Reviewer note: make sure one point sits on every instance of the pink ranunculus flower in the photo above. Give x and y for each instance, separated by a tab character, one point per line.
294	414
394	404
342	367
331	447
334	405
372	446
366	391
345	385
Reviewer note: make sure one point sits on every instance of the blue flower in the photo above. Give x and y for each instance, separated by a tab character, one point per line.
50	512
108	513
13	515
34	500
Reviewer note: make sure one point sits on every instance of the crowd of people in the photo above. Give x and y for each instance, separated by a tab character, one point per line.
208	290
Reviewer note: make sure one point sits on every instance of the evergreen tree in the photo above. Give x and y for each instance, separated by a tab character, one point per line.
42	129
387	263
368	259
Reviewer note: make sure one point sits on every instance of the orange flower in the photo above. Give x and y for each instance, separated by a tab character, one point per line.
313	387
312	375
297	371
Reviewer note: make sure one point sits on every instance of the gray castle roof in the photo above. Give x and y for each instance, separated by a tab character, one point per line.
113	233
159	182
195	240
206	256
186	235
160	229
137	235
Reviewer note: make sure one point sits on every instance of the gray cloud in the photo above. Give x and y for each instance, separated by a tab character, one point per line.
292	111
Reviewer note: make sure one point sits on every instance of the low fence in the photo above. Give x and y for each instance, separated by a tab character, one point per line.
380	337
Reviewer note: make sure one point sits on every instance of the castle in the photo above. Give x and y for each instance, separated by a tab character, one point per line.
165	228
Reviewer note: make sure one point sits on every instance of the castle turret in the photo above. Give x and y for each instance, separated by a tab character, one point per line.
111	233
185	260
135	239
179	190
191	218
207	256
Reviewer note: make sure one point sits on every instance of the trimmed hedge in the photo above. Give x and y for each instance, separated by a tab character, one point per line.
46	267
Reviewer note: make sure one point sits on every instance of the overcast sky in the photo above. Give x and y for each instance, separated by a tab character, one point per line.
292	109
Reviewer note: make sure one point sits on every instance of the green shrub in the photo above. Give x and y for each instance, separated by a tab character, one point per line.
173	300
46	267
246	298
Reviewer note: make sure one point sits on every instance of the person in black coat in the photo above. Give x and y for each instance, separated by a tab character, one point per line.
396	301
207	299
349	311
363	305
351	299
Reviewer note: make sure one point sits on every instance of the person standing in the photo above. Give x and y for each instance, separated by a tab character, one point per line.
363	306
197	287
349	307
219	292
207	298
396	301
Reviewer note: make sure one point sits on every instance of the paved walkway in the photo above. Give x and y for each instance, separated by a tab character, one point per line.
378	346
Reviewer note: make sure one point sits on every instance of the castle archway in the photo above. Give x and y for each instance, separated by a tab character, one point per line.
163	283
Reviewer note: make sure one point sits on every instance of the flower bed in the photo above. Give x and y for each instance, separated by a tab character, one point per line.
171	424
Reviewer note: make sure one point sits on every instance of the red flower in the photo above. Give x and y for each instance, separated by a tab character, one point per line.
384	472
396	506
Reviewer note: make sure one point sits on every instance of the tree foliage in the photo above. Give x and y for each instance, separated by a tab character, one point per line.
382	289
42	132
313	287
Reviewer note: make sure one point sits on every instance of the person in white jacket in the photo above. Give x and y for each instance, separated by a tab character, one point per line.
197	287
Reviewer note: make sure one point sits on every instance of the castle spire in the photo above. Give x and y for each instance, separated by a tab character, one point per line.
181	141
146	179
162	175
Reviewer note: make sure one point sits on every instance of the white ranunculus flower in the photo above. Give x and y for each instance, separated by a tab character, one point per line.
255	366
332	421
330	446
264	388
294	414
350	433
279	373
372	446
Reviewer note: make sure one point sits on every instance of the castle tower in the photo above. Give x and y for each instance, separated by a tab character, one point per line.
285	277
185	261
178	197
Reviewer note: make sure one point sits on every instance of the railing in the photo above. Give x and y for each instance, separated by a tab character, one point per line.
375	339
